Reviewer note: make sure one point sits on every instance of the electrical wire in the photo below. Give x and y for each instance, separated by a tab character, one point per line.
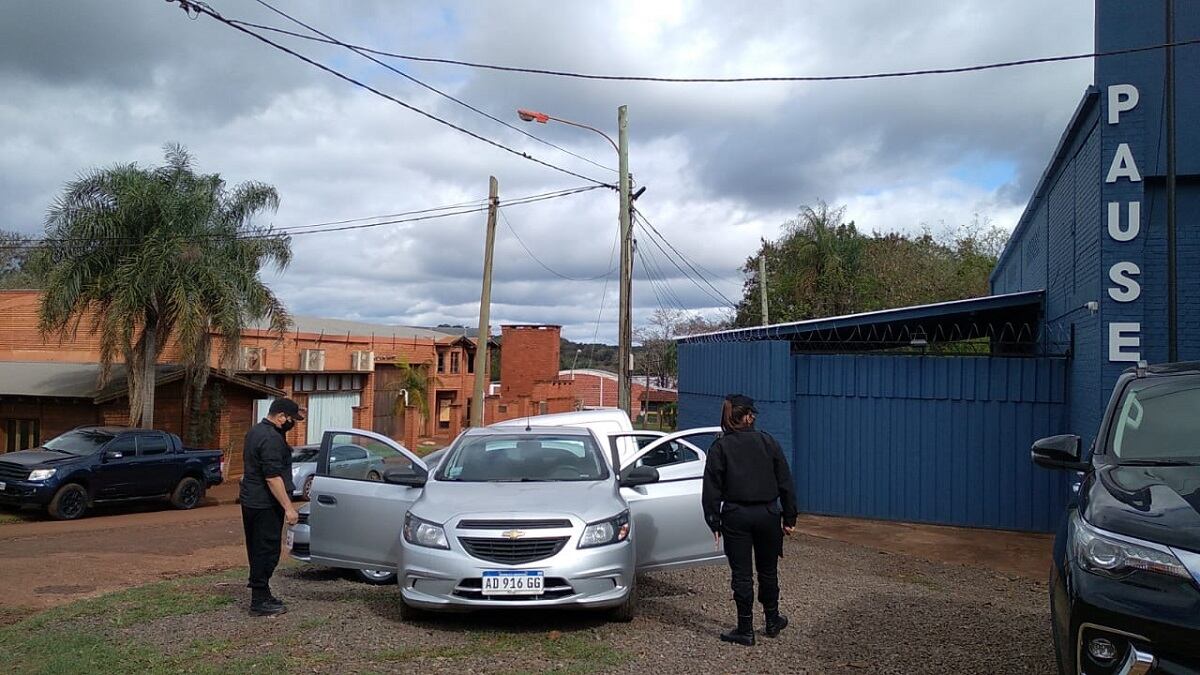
663	279
538	260
652	233
416	216
203	8
612	255
735	80
439	92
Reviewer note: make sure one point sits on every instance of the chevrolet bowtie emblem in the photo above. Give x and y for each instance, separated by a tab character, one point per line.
512	534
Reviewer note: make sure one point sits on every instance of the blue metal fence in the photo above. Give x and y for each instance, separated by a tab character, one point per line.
928	439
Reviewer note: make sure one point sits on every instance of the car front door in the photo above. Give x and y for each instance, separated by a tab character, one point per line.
668	522
355	519
117	469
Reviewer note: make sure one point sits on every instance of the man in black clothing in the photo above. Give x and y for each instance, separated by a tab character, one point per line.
266	499
748	497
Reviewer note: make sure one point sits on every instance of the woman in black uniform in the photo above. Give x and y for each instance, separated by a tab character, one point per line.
749	499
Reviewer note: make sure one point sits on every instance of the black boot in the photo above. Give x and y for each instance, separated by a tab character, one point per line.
262	604
775	623
743	634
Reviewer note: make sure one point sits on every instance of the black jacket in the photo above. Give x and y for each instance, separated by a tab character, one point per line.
266	454
747	467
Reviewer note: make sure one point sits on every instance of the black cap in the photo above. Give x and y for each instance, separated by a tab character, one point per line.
741	401
286	405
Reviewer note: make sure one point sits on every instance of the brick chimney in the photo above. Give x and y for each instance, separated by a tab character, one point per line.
528	354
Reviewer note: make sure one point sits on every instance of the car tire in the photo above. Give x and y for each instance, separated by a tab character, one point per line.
374	475
624	612
306	491
69	503
376	577
187	494
410	613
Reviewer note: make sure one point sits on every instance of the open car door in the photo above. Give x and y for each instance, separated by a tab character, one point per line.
668	522
356	518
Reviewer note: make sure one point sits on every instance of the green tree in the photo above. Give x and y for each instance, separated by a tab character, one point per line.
158	254
16	262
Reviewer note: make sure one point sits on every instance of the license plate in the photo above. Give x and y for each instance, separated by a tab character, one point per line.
291	538
507	582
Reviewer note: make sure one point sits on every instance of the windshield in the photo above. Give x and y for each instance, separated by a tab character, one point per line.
524	458
1158	421
80	442
305	453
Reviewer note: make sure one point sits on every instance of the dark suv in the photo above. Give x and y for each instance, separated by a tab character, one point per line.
92	465
1125	583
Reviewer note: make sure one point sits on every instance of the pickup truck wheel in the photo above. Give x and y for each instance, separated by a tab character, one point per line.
376	577
187	494
624	612
69	503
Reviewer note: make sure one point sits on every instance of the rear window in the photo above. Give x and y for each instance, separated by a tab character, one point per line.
1159	420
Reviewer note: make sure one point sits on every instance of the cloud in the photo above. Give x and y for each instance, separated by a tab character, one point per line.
92	84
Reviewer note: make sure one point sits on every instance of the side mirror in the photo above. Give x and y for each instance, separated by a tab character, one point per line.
404	476
110	455
1059	452
640	475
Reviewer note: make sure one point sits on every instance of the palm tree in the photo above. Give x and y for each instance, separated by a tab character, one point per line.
154	254
412	384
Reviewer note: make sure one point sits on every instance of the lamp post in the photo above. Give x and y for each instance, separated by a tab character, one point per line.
625	320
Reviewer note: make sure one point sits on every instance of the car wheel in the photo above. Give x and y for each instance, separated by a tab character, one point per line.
306	492
624	612
376	577
69	503
1059	662
410	613
374	475
187	493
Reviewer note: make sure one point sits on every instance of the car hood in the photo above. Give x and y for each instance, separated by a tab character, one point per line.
1156	503
590	501
35	458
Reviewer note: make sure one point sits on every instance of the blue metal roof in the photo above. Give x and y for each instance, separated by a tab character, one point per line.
945	317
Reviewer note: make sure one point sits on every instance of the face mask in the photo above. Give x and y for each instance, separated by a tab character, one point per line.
287	426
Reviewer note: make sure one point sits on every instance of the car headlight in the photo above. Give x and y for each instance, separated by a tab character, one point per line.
1101	553
611	531
424	533
42	474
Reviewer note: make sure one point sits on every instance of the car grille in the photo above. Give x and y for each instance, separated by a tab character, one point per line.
10	471
546	524
555	588
513	552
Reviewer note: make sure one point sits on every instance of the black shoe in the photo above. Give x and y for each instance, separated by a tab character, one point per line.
776	622
267	607
743	634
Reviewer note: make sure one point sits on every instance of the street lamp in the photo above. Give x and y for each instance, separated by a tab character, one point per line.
625	322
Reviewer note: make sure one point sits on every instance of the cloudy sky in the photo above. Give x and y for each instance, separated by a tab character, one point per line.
94	83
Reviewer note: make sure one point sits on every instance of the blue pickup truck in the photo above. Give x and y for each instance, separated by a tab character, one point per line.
94	465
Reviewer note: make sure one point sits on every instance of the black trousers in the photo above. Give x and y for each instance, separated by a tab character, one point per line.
264	536
753	536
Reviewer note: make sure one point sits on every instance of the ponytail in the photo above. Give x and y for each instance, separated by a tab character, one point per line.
735	417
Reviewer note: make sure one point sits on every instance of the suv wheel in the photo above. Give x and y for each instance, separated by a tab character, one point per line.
187	494
69	503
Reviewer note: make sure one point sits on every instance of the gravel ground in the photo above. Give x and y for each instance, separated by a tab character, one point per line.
853	610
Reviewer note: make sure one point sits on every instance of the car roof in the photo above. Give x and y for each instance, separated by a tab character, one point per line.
521	429
578	418
1167	369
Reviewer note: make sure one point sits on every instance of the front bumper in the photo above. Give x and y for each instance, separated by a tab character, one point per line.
1153	620
437	579
300	538
27	493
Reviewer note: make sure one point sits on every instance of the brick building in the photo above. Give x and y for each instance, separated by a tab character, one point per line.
598	389
344	372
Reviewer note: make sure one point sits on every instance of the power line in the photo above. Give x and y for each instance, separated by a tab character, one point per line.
203	8
544	265
416	216
662	304
734	80
439	92
652	233
652	265
612	254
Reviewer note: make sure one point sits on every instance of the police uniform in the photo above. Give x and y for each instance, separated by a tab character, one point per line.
265	454
748	497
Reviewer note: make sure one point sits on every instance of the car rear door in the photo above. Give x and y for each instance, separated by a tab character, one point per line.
355	520
159	469
668	522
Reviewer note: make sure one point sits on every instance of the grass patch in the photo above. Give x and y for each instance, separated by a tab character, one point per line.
573	653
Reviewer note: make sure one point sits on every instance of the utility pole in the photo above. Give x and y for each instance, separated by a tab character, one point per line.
485	305
1169	103
762	287
625	322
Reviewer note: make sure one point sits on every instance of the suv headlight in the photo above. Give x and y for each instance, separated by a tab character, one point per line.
42	474
424	533
611	531
1108	555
